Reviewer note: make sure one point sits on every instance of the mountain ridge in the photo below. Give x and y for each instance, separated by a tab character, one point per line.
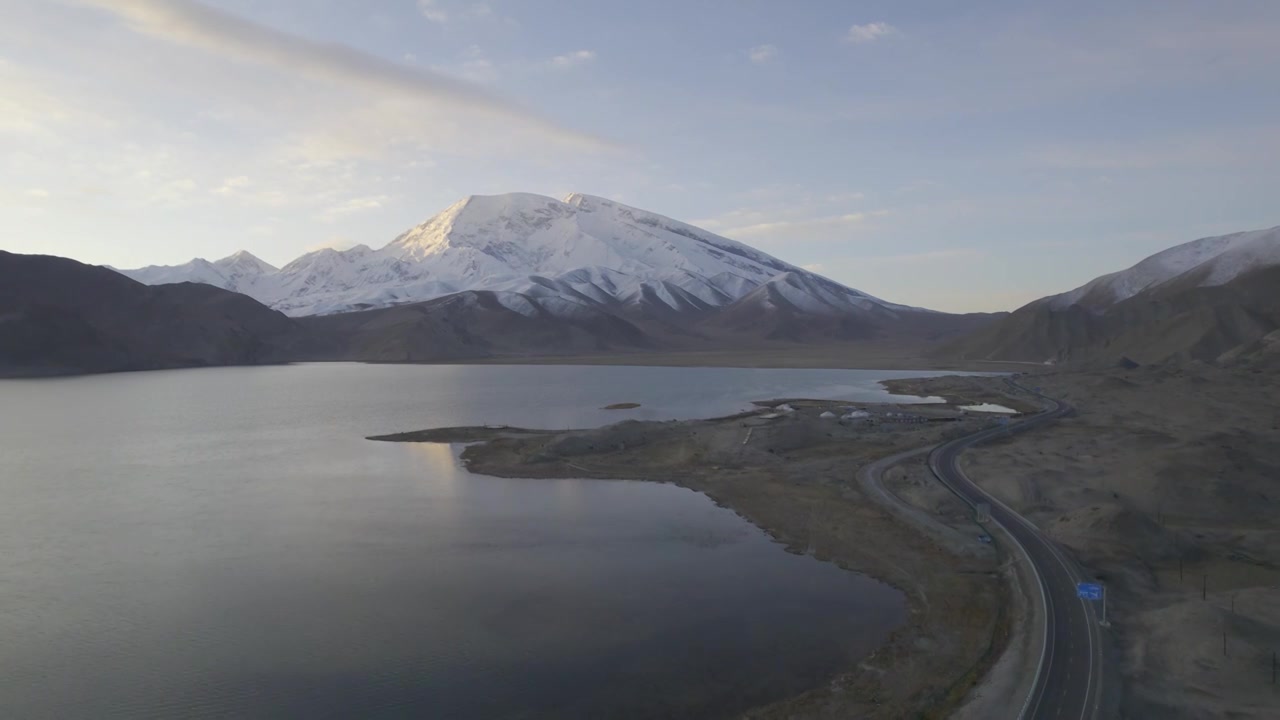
1212	299
586	248
59	316
1229	254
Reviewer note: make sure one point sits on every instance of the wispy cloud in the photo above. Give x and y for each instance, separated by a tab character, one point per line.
443	12
30	107
194	25
870	32
784	212
232	185
352	206
763	54
802	227
573	59
921	258
173	192
431	10
1233	148
245	191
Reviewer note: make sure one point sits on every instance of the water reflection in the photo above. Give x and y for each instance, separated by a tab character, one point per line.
228	545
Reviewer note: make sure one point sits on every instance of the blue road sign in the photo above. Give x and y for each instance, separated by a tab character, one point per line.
1089	591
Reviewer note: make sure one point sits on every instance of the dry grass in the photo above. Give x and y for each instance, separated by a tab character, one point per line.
1162	468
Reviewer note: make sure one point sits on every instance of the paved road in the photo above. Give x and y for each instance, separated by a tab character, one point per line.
1068	683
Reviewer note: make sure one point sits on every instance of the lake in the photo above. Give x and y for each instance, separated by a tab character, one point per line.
224	543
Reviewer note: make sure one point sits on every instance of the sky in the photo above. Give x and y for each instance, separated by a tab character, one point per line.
962	155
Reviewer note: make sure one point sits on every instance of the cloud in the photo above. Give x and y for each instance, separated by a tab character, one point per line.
232	184
1236	147
30	106
573	59
241	188
870	32
172	192
432	11
38	194
763	54
352	206
443	12
788	212
802	227
190	24
922	258
476	66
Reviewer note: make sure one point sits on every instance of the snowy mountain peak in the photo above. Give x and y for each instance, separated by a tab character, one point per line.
245	263
580	251
1220	259
480	221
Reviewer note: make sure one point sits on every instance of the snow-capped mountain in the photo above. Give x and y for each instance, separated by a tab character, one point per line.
560	256
1215	299
241	272
1219	259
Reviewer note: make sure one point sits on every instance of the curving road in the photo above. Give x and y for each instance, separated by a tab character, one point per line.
1068	680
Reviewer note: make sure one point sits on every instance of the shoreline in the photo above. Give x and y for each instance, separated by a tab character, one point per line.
816	356
792	476
804	357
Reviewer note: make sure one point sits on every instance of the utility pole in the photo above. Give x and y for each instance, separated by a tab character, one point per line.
1177	547
1273	667
1104	606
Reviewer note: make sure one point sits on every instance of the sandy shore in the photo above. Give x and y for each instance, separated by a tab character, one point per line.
794	477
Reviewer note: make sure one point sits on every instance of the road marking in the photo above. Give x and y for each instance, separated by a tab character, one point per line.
958	446
1091	626
1037	687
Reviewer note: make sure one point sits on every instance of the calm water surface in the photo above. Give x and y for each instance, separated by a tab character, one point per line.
223	543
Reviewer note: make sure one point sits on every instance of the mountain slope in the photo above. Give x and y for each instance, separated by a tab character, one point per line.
1211	299
1226	256
469	325
59	316
586	250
